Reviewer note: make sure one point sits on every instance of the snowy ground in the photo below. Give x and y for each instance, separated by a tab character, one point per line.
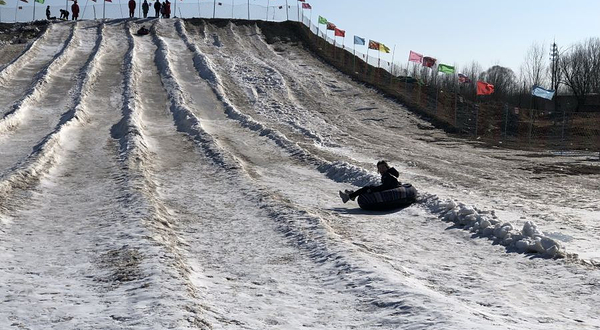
188	179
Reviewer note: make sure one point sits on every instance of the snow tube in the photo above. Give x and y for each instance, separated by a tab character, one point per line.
390	199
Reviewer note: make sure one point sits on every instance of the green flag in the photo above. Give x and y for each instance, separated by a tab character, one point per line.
40	1
445	68
322	20
2	2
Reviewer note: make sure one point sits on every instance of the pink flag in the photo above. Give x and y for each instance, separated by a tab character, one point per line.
306	6
415	57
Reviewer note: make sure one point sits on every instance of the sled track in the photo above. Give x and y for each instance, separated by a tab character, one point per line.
161	189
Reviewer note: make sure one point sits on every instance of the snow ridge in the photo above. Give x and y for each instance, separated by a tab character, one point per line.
486	224
185	120
338	171
46	153
292	112
150	211
12	118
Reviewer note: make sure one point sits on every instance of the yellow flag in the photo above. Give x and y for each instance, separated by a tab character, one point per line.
383	48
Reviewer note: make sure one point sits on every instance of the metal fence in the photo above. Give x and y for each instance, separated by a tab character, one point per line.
228	9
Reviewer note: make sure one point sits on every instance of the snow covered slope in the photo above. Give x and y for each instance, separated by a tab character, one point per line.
188	179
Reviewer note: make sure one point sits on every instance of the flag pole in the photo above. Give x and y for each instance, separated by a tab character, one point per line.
214	8
199	13
33	19
354	57
174	8
287	10
104	10
84	8
392	68
248	9
232	6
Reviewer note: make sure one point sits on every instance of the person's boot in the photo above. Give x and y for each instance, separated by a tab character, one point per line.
344	196
350	192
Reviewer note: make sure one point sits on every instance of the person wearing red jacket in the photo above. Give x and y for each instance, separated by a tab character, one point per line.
75	10
131	8
167	9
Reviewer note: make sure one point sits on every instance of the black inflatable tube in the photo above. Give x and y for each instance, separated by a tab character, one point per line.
388	199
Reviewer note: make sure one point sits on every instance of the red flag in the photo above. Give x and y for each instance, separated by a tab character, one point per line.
306	6
330	26
107	0
484	88
429	61
373	45
339	33
301	0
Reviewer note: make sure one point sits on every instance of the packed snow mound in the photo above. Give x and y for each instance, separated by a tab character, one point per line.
485	223
345	172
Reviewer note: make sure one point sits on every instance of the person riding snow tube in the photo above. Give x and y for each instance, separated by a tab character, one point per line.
389	199
143	31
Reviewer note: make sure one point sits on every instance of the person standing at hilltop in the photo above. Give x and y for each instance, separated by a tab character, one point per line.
48	12
74	10
157	8
131	8
145	8
167	9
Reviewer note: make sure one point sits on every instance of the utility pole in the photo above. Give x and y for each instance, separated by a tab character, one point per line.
555	71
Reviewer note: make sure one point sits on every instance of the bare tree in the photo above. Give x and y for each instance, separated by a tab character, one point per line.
503	79
580	69
533	69
472	71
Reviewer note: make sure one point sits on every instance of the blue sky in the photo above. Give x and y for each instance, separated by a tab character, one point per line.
453	31
460	31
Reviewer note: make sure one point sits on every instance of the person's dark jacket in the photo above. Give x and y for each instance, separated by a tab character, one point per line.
157	6
389	180
145	7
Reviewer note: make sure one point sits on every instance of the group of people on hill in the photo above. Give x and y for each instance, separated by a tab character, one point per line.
64	14
163	9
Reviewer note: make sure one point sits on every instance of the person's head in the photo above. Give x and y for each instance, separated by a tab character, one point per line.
382	166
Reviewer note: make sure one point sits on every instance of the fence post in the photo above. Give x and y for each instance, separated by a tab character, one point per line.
531	124
476	119
505	122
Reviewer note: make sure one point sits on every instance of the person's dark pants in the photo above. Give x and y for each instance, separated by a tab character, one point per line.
145	14
157	12
360	191
131	13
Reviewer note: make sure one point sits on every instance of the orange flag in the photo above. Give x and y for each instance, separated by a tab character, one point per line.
484	88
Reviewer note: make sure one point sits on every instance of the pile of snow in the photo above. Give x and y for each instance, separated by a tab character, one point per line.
485	223
345	172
